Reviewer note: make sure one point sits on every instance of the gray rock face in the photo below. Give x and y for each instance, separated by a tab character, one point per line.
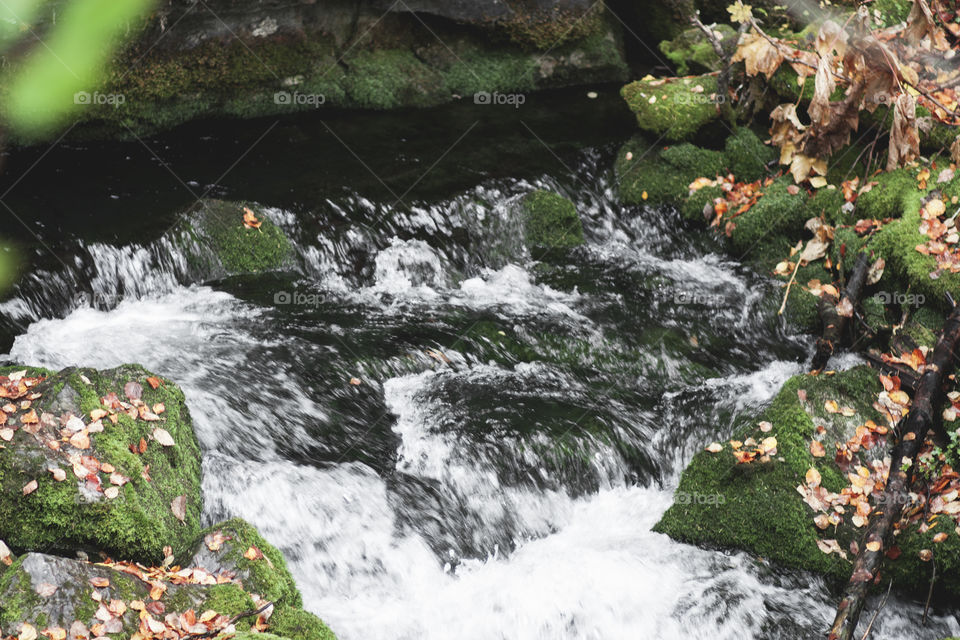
49	591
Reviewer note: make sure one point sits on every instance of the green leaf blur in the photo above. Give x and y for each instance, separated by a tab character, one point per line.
71	58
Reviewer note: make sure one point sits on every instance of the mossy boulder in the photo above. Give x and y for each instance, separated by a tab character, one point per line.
663	175
219	243
691	49
673	109
551	221
50	591
756	506
776	220
887	198
747	157
225	548
118	481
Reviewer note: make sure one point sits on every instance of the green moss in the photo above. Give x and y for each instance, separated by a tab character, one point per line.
693	207
552	221
139	522
675	109
891	12
20	596
298	624
269	576
887	198
217	226
477	70
756	506
784	83
801	309
897	242
389	78
828	204
251	635
546	30
845	247
665	175
691	48
747	156
777	212
229	600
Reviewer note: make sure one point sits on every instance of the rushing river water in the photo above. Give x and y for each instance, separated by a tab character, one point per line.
521	420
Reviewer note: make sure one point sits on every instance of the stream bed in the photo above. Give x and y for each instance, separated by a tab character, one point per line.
447	435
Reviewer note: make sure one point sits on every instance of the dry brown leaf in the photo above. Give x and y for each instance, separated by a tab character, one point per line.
163	437
179	508
758	55
904	143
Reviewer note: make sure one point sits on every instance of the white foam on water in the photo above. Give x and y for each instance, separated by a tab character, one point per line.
199	338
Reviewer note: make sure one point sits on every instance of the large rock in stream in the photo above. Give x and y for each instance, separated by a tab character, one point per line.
797	505
98	461
235	572
220	238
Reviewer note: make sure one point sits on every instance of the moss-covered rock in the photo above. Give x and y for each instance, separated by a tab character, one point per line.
551	221
76	513
222	549
887	198
338	56
756	506
692	49
747	157
298	624
50	591
664	176
219	243
777	213
673	108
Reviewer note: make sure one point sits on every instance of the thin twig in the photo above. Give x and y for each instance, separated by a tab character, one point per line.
926	609
793	277
234	620
877	612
